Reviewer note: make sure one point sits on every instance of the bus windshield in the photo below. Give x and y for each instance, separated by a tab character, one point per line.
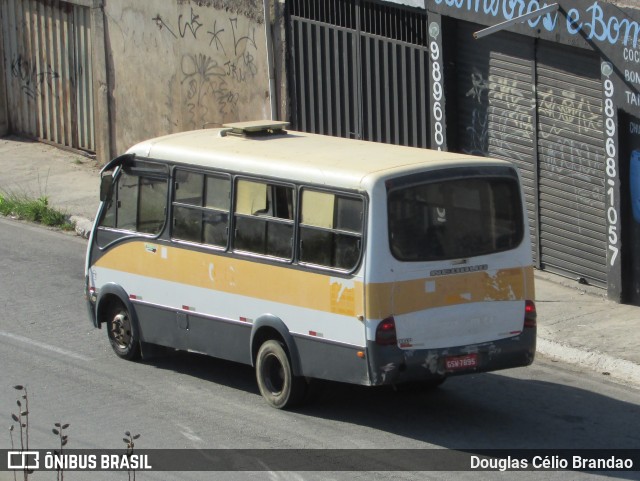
454	219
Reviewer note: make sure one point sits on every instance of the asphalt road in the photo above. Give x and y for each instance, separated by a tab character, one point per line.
189	401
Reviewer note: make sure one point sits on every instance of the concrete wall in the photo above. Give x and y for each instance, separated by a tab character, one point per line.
179	65
4	114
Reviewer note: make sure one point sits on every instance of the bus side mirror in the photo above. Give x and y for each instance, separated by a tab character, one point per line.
106	188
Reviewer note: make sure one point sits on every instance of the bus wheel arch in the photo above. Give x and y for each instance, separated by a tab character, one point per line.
117	313
267	328
277	364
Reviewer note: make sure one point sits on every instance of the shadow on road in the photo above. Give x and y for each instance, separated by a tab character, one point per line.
487	411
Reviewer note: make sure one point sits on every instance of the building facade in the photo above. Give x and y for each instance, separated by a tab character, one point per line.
100	75
554	88
558	95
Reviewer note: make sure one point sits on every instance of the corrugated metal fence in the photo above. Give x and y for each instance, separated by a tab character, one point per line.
360	69
47	55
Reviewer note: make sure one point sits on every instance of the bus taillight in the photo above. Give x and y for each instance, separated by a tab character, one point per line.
530	314
386	332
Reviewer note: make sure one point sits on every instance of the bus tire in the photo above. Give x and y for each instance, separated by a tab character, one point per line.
277	383
122	335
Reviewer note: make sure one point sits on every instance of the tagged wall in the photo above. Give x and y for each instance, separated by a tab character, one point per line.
181	65
4	121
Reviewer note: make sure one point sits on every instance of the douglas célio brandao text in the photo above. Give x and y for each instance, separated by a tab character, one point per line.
551	463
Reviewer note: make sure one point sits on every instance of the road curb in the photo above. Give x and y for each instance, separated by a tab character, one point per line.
597	361
82	225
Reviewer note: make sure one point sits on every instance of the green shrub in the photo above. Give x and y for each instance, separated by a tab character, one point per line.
34	210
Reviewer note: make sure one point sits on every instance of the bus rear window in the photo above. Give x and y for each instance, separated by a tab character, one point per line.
454	219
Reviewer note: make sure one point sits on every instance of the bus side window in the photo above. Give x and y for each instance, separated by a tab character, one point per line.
109	217
264	219
137	204
201	208
152	203
331	229
127	202
216	217
187	220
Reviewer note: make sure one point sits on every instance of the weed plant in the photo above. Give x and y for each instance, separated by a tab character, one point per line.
22	206
21	444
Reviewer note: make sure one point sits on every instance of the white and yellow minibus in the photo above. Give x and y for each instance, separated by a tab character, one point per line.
310	256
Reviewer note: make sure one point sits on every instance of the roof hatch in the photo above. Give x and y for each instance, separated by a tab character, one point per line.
256	128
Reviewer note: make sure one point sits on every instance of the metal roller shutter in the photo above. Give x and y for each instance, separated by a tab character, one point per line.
496	104
540	106
571	155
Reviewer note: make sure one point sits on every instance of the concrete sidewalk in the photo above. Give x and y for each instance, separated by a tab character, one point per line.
69	180
576	324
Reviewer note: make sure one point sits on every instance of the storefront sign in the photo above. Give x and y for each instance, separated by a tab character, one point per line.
592	21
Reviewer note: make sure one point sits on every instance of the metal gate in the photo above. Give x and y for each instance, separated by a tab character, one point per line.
540	106
571	163
47	55
359	69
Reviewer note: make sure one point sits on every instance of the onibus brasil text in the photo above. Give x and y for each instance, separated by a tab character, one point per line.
93	461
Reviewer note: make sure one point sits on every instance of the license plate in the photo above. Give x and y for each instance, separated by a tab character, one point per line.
458	363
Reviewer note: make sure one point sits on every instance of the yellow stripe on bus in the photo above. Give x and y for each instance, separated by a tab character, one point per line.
386	299
236	276
315	290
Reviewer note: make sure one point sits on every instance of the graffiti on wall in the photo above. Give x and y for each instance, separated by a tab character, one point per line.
501	122
477	132
571	156
32	81
486	94
212	78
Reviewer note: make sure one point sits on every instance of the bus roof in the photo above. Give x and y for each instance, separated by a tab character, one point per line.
301	156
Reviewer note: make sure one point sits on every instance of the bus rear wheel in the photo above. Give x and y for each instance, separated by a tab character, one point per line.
122	335
277	383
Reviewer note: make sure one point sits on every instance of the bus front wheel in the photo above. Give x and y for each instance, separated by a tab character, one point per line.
121	333
277	383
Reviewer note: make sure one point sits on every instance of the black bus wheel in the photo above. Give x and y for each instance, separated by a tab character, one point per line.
280	388
121	332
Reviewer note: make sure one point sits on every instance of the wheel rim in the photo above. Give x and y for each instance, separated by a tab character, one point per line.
121	330
273	374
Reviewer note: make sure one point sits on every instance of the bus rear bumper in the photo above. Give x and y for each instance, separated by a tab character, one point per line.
392	365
